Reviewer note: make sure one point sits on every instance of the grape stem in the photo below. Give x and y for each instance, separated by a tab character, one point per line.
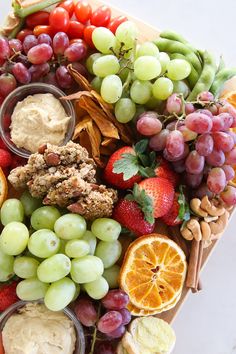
95	331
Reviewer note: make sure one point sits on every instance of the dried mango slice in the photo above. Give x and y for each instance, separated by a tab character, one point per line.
3	187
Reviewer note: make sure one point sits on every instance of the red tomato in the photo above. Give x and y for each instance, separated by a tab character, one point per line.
22	34
69	6
78	40
75	30
88	31
43	29
83	11
116	22
39	18
59	19
101	17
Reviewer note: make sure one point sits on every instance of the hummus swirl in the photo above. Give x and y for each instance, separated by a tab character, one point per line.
37	120
37	330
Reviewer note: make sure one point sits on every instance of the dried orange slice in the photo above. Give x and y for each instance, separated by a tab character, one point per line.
3	187
230	97
153	272
135	311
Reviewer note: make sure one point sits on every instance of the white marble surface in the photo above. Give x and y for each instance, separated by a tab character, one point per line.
206	323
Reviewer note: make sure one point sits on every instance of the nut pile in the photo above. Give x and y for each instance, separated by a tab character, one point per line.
208	224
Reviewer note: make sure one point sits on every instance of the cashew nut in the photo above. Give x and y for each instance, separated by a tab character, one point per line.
195	205
219	226
206	230
211	218
187	234
211	208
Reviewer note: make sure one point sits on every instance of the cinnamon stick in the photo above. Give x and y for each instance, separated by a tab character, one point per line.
199	265
193	264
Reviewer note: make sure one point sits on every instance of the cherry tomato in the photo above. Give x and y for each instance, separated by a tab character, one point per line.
22	34
69	6
43	29
116	22
39	18
88	31
101	17
83	11
59	19
75	30
78	40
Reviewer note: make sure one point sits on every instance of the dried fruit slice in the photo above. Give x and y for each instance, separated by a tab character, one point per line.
135	311
3	187
153	272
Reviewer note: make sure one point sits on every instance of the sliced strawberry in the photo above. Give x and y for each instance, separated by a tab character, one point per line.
161	191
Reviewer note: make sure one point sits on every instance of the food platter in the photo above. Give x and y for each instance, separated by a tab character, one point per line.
117	174
148	32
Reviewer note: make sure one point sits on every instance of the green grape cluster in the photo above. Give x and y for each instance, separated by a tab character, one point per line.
130	75
56	254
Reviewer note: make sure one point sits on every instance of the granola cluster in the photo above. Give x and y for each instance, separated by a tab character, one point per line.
65	176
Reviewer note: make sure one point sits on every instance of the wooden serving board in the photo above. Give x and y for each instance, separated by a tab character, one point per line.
149	33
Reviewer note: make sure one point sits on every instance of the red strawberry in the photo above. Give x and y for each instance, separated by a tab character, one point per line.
8	295
172	217
3	145
129	214
2	351
5	158
164	170
17	161
121	180
161	191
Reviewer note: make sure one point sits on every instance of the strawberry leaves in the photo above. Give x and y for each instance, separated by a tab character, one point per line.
184	210
144	202
140	162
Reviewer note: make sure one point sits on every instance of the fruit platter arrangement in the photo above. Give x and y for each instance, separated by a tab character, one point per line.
117	177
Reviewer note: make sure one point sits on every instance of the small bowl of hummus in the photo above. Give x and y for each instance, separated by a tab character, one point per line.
34	115
29	327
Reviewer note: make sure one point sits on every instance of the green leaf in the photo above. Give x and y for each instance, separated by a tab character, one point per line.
146	172
128	165
184	210
145	203
144	159
141	146
153	159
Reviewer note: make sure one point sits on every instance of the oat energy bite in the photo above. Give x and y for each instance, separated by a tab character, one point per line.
65	176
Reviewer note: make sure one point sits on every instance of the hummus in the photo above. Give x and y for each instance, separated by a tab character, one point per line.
37	330
37	120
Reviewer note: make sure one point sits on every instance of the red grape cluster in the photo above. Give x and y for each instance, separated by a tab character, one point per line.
198	142
41	58
113	320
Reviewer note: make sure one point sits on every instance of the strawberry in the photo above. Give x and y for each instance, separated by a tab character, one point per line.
179	211
161	191
17	161
128	164
5	158
2	351
8	295
3	145
121	180
164	170
129	214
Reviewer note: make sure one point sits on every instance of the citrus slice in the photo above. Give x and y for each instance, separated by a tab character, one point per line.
3	187
153	272
135	311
